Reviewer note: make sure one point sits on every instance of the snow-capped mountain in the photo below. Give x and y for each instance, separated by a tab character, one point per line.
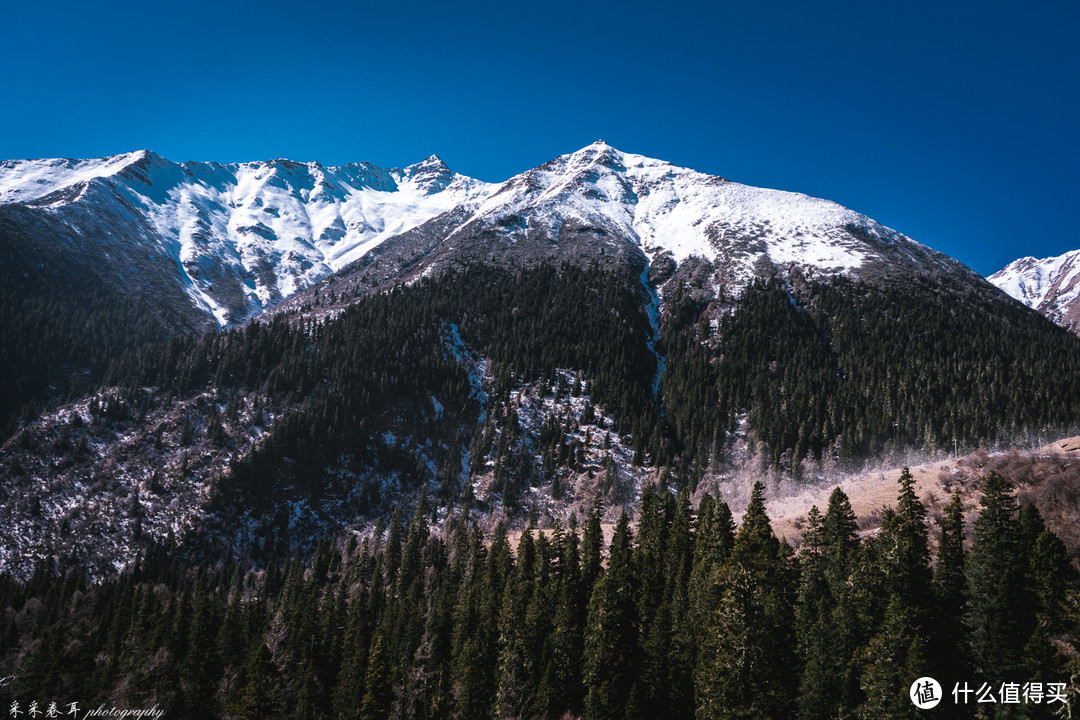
241	236
662	208
604	324
237	239
1050	286
602	205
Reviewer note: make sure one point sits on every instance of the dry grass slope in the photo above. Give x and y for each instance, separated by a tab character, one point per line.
1048	476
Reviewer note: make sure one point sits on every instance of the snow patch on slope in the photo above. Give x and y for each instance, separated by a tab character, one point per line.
29	180
653	309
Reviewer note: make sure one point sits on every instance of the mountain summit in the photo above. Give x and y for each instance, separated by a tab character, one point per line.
237	239
661	208
602	205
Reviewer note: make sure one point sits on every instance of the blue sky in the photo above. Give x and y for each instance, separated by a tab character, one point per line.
955	123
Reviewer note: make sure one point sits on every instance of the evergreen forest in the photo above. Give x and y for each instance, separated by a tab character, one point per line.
386	409
838	369
682	614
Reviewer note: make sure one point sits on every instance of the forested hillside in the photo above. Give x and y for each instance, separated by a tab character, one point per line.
683	615
65	314
501	390
856	369
838	366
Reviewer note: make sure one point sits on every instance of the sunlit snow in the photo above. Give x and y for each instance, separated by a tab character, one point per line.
667	208
279	225
1049	285
245	236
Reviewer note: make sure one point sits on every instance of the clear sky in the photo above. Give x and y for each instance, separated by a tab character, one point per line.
953	122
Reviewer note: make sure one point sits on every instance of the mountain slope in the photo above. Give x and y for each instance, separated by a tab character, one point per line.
100	256
239	237
255	442
666	209
590	323
1050	286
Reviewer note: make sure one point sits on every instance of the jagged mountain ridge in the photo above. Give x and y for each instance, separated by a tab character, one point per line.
198	245
601	205
236	238
1050	285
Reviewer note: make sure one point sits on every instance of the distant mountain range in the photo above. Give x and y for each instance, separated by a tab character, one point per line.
1050	285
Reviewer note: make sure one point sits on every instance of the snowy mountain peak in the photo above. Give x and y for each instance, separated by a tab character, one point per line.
1050	286
600	152
430	162
244	235
432	174
662	209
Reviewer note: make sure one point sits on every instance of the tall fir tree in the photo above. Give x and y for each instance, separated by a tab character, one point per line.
750	669
948	639
894	658
998	621
610	655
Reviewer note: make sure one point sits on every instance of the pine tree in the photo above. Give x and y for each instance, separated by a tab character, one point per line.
749	668
713	539
909	570
818	687
514	693
610	635
841	553
260	693
591	546
894	658
649	555
677	693
560	687
948	641
394	541
998	620
474	647
1049	576
349	690
378	694
650	691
